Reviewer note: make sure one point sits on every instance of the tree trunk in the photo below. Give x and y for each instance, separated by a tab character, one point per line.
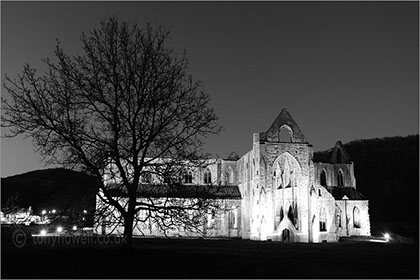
128	231
129	220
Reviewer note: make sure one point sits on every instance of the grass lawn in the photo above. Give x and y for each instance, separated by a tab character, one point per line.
182	258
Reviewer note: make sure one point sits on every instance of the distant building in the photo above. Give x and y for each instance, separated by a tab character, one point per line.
19	216
276	191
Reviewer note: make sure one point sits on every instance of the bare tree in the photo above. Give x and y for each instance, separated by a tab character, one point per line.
125	101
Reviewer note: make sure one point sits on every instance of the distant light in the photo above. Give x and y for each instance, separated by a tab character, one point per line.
386	235
84	211
74	227
44	212
59	229
53	211
43	232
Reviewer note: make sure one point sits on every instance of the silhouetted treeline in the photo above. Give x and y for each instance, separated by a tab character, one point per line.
387	173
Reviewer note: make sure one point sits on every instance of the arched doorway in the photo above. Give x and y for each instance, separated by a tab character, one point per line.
285	235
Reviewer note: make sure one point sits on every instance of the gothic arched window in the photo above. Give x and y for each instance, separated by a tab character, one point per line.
338	220
356	217
285	134
281	213
188	177
278	176
210	220
323	179
323	220
340	178
233	218
290	214
207	176
229	176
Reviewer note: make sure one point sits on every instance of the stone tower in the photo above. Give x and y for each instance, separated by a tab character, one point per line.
275	182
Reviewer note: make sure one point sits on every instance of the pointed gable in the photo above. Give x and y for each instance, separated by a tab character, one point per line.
339	154
347	193
334	155
285	120
233	156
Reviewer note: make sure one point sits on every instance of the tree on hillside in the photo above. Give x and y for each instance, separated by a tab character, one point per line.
125	101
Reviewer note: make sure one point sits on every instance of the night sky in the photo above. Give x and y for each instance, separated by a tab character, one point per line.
344	70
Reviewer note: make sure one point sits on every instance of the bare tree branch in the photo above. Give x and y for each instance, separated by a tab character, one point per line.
126	100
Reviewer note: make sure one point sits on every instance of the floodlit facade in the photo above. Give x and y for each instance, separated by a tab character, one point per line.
277	192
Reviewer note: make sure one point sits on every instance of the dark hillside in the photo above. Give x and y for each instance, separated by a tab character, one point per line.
387	173
60	189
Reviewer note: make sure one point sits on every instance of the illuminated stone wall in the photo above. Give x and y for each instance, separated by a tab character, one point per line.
301	210
348	208
332	171
224	224
282	198
262	198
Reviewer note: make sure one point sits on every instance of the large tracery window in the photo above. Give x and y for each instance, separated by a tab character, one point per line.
286	171
207	176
